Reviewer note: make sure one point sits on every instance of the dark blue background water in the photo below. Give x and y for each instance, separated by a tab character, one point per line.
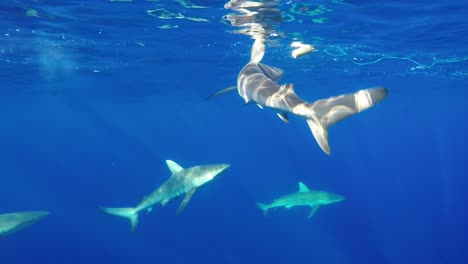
94	97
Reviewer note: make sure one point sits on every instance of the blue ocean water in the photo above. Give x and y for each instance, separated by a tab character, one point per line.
96	95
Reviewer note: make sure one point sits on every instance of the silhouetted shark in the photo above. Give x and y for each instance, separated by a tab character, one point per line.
304	197
257	83
182	181
12	222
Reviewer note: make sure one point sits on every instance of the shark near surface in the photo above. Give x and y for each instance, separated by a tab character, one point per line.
303	197
182	182
12	222
257	83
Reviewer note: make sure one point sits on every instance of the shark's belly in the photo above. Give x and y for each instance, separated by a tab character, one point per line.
256	87
172	188
269	94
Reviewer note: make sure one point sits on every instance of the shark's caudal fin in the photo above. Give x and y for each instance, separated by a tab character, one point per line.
129	213
263	207
326	112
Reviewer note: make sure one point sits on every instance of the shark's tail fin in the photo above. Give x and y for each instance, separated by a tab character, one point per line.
326	112
129	213
263	207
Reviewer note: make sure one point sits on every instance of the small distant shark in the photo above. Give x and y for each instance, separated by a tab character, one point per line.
257	83
12	222
304	197
182	181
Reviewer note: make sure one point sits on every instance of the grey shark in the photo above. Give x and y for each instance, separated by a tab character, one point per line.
304	197
257	83
12	222
181	182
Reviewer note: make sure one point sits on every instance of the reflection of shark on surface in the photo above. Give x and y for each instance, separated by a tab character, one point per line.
12	222
304	197
257	83
182	181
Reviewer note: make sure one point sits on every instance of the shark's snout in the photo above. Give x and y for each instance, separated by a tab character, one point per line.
213	170
337	198
221	167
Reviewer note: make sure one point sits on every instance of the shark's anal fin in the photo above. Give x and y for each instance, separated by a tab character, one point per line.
187	197
222	91
149	209
283	117
173	166
303	187
313	211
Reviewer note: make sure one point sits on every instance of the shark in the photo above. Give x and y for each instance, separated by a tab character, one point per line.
304	197
12	222
183	181
258	83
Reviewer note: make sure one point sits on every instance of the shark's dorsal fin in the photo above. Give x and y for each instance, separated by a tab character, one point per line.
187	197
271	72
303	187
173	167
258	50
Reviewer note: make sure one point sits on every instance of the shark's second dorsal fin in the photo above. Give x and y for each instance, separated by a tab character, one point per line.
303	187
173	167
258	50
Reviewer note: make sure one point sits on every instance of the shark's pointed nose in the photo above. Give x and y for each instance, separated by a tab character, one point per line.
339	198
215	170
222	167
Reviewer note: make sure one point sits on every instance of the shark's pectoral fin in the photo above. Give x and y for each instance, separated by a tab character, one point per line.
187	197
222	91
164	202
313	211
271	72
283	116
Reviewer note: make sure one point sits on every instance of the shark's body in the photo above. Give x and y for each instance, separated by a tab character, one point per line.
257	83
182	181
304	197
12	222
